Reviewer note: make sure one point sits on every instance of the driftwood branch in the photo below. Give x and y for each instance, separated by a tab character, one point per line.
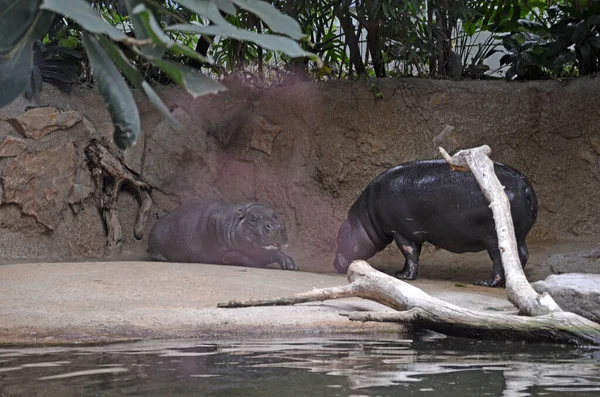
110	174
418	308
520	293
316	295
422	310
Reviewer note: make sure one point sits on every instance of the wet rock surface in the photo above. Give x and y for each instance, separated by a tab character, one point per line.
574	292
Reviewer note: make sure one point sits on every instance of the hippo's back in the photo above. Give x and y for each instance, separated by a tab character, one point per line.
427	201
182	235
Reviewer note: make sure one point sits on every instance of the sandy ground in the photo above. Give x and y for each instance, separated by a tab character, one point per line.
95	302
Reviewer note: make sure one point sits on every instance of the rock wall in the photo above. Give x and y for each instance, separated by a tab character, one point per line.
306	150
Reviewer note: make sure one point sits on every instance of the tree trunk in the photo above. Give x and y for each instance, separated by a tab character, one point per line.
374	44
352	40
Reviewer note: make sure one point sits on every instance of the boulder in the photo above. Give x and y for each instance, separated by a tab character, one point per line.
40	183
39	122
583	261
574	292
11	146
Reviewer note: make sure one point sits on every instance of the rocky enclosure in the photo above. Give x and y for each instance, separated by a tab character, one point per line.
306	150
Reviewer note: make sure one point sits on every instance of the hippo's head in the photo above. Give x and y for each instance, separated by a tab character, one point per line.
260	227
353	243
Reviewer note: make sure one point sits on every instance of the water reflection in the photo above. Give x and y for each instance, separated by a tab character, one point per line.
336	366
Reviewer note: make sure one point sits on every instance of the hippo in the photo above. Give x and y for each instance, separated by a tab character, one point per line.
211	231
427	201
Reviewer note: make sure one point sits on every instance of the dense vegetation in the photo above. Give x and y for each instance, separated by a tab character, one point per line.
168	42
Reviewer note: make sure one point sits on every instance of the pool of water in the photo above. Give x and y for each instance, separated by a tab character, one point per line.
372	365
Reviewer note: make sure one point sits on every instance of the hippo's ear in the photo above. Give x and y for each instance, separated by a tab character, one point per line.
241	213
276	215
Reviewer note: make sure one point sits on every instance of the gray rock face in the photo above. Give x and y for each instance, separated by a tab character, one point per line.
587	261
306	150
575	292
39	122
40	183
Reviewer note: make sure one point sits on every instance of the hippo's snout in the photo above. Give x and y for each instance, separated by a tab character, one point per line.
275	231
341	264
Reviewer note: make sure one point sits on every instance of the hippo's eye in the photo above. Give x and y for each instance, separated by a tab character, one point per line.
253	218
268	226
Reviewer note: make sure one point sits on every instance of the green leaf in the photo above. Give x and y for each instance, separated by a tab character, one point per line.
140	30
82	13
580	33
134	76
267	41
194	82
469	28
160	39
15	72
274	19
16	16
225	6
121	105
159	104
208	9
121	61
17	64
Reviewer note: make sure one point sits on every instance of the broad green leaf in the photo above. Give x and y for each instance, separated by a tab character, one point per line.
193	81
226	6
83	13
121	105
159	104
469	28
207	8
16	65
274	19
15	72
121	61
160	39
268	41
139	29
132	74
16	16
580	33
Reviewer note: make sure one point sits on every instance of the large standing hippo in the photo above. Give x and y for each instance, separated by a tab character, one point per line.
426	201
209	231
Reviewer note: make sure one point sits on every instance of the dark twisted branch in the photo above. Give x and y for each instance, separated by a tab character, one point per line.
110	174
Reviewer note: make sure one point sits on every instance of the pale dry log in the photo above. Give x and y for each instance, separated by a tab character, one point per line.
520	293
422	310
110	174
316	295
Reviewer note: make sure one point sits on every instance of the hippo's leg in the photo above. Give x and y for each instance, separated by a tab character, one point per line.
285	262
237	258
497	277
354	244
158	257
523	252
411	251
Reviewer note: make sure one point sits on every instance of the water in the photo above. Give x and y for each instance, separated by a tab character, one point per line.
304	366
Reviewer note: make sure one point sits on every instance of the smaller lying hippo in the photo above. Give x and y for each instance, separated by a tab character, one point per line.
210	231
425	201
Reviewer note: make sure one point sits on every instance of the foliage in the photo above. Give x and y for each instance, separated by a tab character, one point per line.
545	39
142	35
57	65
